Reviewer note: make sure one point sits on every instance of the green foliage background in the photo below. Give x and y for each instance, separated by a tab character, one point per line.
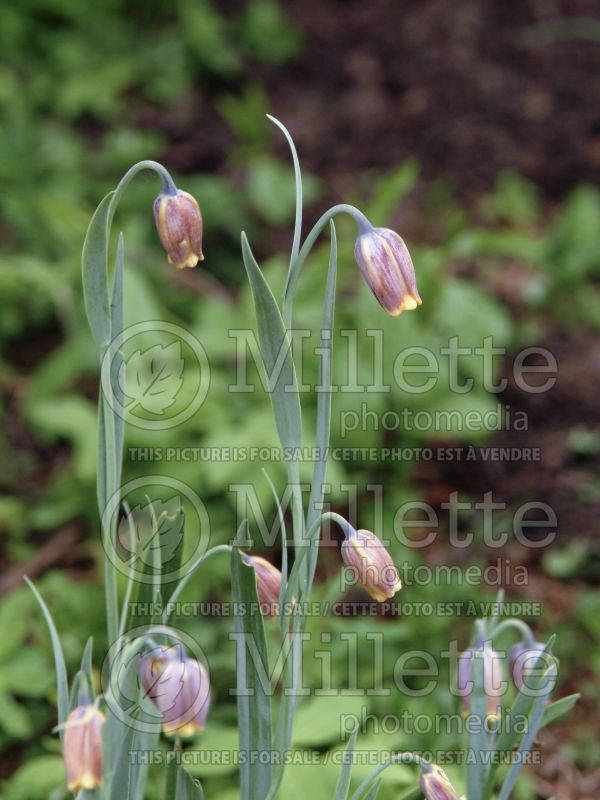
87	89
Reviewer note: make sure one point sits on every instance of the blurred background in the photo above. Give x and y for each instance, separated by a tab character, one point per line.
469	127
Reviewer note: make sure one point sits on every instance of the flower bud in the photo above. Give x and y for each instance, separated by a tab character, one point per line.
268	584
82	747
366	556
492	678
387	267
434	784
179	687
522	660
179	224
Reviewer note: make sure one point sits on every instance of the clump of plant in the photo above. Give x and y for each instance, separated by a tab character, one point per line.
155	678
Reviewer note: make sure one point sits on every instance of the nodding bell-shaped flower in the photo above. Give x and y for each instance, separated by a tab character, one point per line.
371	564
522	660
179	225
492	678
387	267
179	687
268	584
434	784
82	747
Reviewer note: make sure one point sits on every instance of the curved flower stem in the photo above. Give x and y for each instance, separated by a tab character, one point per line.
183	582
346	527
291	284
513	623
109	299
298	180
398	758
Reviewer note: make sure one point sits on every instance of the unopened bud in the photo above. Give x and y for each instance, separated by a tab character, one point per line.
364	553
179	687
179	224
522	660
82	747
492	678
387	267
435	785
268	583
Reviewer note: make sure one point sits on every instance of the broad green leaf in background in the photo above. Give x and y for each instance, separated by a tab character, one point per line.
37	778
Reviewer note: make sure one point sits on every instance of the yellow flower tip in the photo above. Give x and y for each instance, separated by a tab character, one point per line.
388	270
364	553
187	730
82	747
179	225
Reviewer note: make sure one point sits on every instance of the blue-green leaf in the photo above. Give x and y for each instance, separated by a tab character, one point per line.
478	736
372	793
95	273
254	706
362	793
343	784
187	788
298	181
275	348
534	724
62	686
323	398
558	708
521	708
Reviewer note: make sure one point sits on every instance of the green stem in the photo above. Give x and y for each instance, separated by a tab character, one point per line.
291	284
183	582
110	455
518	624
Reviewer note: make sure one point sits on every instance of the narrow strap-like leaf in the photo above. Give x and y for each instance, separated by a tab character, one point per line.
298	181
323	397
95	275
558	708
116	356
372	793
254	705
62	686
186	787
478	736
533	726
398	758
86	664
343	784
276	352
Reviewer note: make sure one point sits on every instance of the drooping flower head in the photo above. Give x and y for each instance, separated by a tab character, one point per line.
82	747
179	225
434	783
492	678
268	583
179	687
522	660
387	267
371	563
